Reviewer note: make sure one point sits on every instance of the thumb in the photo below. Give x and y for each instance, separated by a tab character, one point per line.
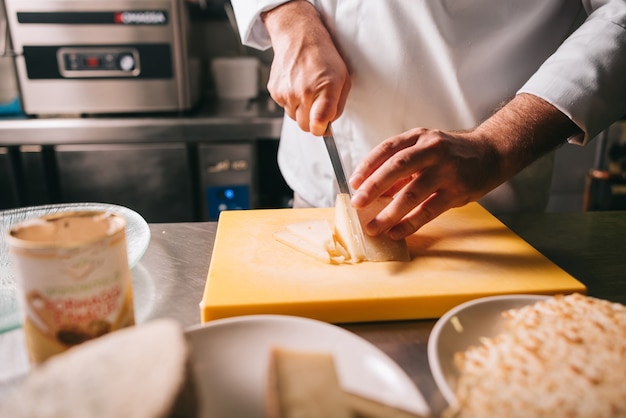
323	112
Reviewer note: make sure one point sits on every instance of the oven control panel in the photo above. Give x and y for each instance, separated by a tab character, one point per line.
98	62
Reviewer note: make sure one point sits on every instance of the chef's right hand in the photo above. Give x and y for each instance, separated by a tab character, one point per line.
308	77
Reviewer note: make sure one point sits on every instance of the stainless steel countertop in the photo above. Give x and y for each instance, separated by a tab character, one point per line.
211	121
169	282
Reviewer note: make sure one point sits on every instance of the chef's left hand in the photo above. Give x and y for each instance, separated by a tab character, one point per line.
430	171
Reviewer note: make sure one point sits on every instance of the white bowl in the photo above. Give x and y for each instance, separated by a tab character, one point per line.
230	359
464	326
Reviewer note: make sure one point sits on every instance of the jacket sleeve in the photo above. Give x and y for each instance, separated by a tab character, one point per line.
248	16
585	78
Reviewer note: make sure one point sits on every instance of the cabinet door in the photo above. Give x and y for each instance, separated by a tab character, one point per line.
152	179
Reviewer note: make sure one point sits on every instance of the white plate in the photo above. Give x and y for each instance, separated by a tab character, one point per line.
230	359
477	318
137	240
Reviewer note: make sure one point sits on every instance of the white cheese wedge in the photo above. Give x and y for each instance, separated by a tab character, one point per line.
381	247
304	384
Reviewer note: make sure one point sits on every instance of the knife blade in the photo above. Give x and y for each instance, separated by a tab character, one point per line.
335	159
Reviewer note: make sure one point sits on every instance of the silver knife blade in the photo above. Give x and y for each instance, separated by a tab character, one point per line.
335	159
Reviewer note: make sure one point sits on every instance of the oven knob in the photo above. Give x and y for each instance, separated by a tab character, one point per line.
127	62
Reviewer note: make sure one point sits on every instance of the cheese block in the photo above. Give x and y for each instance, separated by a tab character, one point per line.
380	247
304	384
363	407
139	371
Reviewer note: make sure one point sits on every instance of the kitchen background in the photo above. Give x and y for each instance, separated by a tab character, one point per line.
178	152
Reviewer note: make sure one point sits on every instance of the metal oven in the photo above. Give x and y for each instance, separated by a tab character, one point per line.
84	57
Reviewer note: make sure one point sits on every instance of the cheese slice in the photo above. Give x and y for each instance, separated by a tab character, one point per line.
304	384
297	242
314	238
317	232
345	242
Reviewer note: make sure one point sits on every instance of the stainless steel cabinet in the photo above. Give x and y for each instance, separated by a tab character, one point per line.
8	180
153	179
227	177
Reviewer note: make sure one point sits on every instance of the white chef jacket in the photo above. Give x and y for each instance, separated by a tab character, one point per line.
448	64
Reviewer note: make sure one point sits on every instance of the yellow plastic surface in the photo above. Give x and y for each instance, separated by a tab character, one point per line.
464	254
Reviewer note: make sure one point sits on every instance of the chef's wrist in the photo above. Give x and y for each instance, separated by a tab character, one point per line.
524	129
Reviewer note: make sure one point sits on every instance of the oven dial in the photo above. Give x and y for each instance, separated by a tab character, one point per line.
127	62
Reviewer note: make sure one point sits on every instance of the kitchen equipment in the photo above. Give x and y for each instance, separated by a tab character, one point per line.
227	177
75	56
463	254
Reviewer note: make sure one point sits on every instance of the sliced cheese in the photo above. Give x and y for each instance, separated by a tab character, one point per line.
304	384
345	242
316	232
317	248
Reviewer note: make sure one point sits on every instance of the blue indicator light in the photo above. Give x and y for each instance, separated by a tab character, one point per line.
229	193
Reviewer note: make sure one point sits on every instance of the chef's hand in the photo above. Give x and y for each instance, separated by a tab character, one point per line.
430	171
308	77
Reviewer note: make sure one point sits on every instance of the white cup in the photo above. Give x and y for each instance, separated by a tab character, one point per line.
236	78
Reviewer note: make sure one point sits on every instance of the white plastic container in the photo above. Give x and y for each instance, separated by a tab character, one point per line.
236	78
73	279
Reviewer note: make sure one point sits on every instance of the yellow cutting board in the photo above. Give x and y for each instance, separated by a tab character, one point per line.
463	254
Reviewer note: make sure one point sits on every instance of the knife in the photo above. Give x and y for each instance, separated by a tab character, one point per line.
335	159
354	224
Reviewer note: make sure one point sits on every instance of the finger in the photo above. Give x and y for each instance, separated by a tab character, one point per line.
405	164
398	186
411	196
380	154
431	208
302	117
323	111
